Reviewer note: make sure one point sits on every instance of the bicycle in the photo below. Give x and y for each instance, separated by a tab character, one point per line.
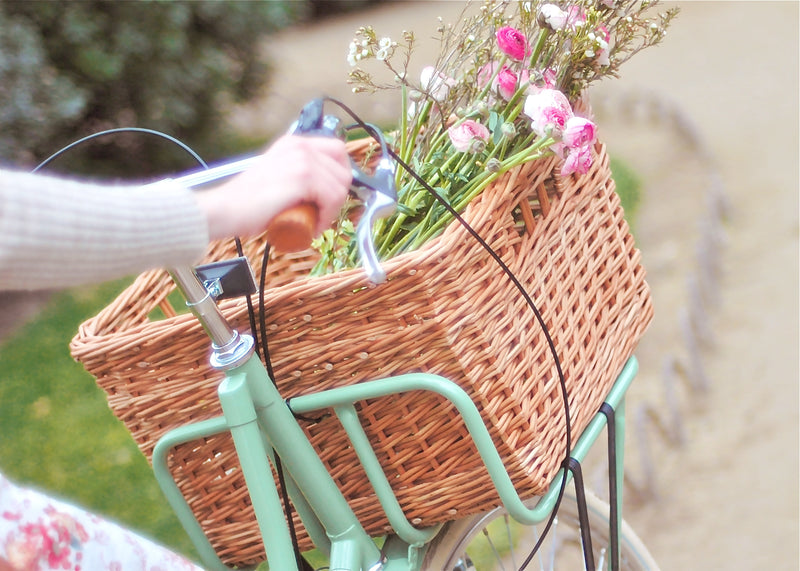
266	432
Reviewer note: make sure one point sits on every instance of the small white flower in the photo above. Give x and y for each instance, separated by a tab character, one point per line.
352	55
385	46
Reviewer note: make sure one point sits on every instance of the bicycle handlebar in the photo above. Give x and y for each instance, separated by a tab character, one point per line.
293	229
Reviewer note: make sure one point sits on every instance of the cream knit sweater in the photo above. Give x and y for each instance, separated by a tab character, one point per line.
57	233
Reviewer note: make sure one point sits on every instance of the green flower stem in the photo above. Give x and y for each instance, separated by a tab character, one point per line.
518	105
417	127
420	195
399	219
436	144
480	183
539	46
403	120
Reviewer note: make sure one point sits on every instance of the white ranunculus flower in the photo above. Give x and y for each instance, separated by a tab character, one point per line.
553	16
435	83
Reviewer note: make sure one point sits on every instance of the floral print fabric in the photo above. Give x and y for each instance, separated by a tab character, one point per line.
38	533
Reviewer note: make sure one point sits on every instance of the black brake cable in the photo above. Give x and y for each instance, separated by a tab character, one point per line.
550	342
523	292
142	130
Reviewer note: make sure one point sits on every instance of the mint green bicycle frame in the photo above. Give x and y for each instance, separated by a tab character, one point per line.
260	422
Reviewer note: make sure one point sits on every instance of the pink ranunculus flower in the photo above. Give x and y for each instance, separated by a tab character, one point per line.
505	83
549	110
466	134
579	132
512	42
549	78
578	161
546	80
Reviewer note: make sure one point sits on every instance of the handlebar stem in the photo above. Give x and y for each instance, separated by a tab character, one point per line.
230	349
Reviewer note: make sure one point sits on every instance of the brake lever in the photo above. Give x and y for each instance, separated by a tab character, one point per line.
377	191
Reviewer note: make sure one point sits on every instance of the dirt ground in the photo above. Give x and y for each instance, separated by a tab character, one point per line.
727	497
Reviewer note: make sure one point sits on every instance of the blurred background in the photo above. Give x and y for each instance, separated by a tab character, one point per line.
706	124
70	69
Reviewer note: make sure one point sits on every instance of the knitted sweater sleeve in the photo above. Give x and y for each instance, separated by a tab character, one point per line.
57	233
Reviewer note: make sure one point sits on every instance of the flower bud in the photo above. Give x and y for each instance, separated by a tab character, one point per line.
477	146
482	108
493	165
509	130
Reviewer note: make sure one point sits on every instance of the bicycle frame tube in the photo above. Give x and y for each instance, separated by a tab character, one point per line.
407	548
254	411
339	398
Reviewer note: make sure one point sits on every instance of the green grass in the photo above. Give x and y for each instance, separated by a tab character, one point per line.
58	434
629	189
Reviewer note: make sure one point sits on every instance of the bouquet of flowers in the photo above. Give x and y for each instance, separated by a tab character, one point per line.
506	89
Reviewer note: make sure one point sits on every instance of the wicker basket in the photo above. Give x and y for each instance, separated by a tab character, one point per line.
446	309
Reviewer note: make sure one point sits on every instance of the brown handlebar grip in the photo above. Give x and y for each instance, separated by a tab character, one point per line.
292	230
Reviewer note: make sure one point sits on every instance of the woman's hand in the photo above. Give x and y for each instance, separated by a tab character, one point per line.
295	169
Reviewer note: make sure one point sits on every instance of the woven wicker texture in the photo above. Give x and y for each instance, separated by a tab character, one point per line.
446	309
